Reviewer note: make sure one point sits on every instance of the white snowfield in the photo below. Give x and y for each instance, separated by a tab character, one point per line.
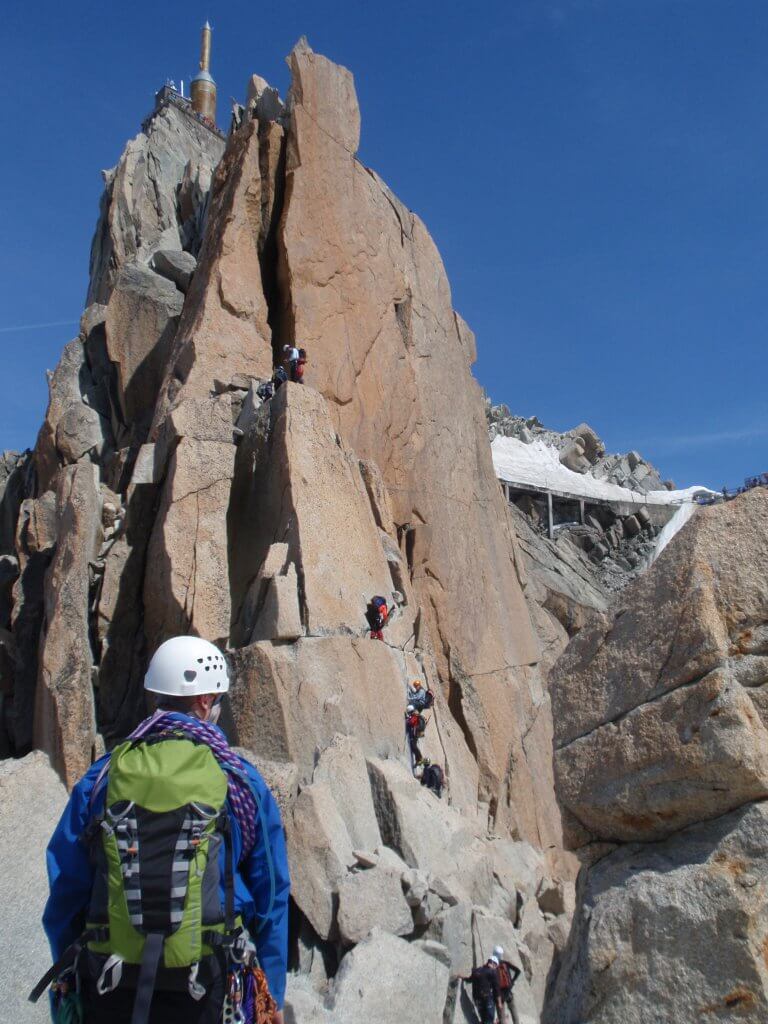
538	466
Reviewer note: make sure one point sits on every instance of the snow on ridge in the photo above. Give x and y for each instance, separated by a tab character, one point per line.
537	465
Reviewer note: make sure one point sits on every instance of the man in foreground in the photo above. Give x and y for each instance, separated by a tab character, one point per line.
168	873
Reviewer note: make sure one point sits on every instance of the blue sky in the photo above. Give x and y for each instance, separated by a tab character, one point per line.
593	172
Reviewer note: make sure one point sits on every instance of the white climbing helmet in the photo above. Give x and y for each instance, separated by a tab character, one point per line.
498	951
494	960
410	709
186	666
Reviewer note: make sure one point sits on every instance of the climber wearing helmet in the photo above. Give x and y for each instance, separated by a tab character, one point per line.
486	994
432	777
415	724
507	974
419	697
168	872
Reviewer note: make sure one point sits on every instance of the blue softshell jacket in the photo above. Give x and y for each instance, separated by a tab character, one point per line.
70	875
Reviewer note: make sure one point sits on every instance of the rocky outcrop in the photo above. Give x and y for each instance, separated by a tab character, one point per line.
581	450
673	931
65	721
155	198
661	732
658	704
169	498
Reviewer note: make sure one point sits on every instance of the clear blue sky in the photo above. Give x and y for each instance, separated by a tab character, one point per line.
593	172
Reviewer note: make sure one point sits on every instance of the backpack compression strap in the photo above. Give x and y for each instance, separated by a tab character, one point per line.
145	986
66	960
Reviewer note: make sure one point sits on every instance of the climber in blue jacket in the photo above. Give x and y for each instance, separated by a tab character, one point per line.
189	703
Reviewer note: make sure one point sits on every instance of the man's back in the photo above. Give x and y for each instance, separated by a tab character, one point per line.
485	984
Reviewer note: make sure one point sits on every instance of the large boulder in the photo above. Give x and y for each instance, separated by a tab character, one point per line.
141	321
342	766
660	707
320	852
430	835
388	980
372	898
155	197
74	422
673	931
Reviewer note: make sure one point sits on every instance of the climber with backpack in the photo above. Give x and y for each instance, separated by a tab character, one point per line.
291	358
432	777
377	614
486	994
415	726
301	362
419	697
507	974
168	872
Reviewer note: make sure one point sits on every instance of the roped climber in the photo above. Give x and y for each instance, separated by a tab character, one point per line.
377	614
486	994
432	777
301	362
420	697
291	360
415	726
171	848
507	974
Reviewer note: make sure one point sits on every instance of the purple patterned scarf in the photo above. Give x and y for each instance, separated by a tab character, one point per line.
172	723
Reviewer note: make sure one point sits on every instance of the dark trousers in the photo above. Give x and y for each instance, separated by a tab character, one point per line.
486	1010
116	1007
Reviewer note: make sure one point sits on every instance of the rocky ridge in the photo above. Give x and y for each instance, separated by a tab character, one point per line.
661	760
165	497
596	559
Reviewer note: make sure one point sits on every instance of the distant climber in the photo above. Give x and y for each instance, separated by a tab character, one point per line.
507	974
291	359
174	791
486	994
415	727
301	362
377	614
432	777
420	697
279	377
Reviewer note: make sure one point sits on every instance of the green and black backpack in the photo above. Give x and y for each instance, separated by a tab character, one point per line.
155	916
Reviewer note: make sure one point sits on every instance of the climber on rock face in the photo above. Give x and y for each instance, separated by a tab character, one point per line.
419	696
507	974
279	377
301	362
291	359
486	994
415	725
377	614
171	848
432	777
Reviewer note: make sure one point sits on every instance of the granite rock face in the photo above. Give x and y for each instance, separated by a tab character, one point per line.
659	704
392	358
168	497
673	931
155	197
661	733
